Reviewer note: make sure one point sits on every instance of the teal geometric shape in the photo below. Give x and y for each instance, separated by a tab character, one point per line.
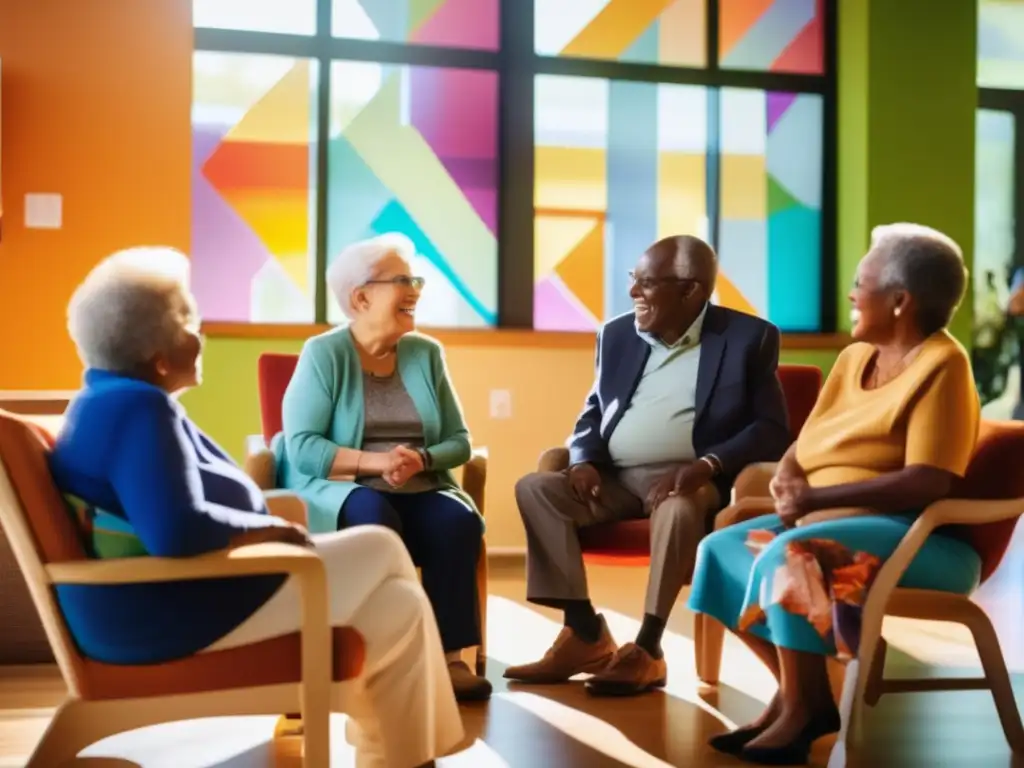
644	49
394	218
794	269
355	196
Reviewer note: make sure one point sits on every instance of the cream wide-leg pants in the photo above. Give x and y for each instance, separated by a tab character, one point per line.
409	715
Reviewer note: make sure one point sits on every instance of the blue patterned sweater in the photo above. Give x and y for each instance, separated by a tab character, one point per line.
128	448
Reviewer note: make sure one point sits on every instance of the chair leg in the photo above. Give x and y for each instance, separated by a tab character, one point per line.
481	597
996	674
709	641
874	687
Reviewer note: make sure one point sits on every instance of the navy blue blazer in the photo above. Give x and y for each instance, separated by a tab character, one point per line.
740	411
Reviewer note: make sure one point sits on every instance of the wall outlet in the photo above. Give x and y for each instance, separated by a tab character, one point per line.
501	404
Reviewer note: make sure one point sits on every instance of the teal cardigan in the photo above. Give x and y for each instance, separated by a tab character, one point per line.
323	409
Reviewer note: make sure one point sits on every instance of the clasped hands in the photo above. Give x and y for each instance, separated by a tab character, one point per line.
792	494
403	463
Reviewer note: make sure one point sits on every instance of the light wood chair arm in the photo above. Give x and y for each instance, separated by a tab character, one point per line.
745	509
288	506
553	460
261	466
474	477
753	480
251	560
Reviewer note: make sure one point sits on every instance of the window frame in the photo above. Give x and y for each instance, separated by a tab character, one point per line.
517	65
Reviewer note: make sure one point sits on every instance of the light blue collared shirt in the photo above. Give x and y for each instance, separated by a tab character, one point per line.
657	427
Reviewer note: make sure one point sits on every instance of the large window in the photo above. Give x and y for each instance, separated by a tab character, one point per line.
531	149
999	203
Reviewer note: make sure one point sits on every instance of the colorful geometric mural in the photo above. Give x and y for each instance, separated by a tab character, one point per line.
621	164
771	185
617	165
415	150
772	35
447	23
253	187
668	32
1001	44
293	17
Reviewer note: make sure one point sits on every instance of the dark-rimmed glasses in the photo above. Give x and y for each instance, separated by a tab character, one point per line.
402	281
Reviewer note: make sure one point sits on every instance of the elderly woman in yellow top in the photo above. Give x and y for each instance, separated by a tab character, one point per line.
372	430
893	428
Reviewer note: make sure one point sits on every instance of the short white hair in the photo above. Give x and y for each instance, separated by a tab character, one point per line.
128	308
356	264
927	264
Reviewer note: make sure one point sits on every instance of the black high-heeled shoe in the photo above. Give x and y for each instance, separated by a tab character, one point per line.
733	742
798	750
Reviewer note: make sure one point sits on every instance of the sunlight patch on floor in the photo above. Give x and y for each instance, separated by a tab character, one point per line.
587	729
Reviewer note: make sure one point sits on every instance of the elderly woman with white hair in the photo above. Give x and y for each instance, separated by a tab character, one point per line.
892	431
130	456
372	430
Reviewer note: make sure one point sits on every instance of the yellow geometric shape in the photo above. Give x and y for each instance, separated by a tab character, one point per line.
582	270
419	13
681	194
406	165
280	218
554	238
744	187
615	28
730	296
281	116
570	178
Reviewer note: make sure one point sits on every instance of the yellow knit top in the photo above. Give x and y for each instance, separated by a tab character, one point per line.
929	414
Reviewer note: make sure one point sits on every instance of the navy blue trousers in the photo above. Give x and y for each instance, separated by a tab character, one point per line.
443	539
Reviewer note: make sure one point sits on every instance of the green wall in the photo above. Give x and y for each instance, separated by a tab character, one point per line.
907	102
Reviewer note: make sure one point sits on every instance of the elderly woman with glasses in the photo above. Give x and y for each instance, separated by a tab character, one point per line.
372	430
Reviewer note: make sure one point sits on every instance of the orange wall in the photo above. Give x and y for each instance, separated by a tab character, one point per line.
96	100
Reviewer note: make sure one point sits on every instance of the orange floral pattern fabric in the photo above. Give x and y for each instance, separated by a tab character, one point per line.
822	581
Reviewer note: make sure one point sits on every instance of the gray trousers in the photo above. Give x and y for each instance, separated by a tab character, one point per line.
552	516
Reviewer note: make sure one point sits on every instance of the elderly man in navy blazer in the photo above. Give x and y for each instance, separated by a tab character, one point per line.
686	395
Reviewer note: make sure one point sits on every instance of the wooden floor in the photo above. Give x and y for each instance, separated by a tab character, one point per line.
549	726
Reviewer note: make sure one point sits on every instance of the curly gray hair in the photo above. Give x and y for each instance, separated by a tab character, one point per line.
131	307
927	264
351	268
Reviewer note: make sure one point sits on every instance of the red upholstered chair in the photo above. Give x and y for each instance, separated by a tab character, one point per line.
985	510
285	674
274	372
629	542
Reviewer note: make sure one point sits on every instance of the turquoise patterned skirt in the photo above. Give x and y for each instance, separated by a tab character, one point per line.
803	588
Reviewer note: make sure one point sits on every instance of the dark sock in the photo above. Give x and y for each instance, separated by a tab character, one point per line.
581	618
649	636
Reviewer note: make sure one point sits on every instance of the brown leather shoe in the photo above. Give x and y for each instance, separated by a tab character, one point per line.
568	656
467	686
632	671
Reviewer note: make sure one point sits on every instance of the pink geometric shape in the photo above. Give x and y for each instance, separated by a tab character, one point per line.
226	253
456	113
463	24
778	103
554	311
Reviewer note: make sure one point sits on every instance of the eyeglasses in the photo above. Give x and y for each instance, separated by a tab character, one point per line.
403	281
649	283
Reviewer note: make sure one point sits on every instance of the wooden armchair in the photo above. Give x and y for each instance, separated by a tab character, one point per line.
989	502
628	542
286	674
274	372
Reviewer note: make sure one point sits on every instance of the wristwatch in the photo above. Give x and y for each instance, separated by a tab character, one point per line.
714	462
425	456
